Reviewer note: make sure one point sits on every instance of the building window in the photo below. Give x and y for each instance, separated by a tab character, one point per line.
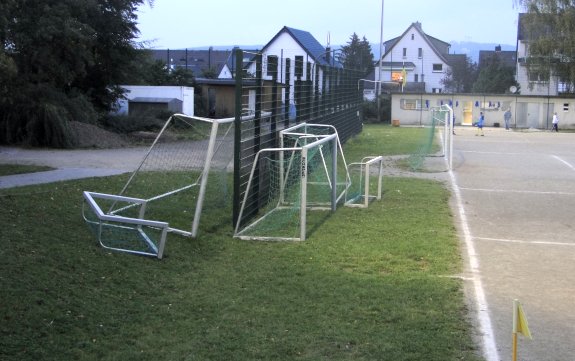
416	77
537	76
272	65
437	68
411	104
412	37
565	107
298	71
404	53
420	53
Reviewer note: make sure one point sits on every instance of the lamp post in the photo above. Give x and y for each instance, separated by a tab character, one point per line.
378	93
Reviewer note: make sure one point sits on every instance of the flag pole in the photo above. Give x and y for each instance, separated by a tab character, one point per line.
515	314
520	325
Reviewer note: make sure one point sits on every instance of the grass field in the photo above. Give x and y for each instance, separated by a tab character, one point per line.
368	284
9	169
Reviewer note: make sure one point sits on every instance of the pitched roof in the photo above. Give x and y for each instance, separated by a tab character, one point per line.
507	57
308	43
440	47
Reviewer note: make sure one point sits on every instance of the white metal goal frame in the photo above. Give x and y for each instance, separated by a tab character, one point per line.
305	132
112	218
136	226
364	170
444	115
315	141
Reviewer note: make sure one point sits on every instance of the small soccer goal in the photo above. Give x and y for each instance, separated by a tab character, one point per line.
183	173
305	133
287	183
366	182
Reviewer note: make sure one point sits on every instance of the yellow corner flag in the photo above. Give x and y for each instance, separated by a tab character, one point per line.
519	320
519	326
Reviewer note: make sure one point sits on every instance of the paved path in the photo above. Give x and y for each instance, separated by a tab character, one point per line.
69	164
517	193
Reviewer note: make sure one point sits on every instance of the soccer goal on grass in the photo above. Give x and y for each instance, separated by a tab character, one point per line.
440	124
182	173
287	182
366	182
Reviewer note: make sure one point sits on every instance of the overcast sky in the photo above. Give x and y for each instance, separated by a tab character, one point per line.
178	24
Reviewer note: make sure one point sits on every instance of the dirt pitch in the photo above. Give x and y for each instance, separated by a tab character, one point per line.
517	204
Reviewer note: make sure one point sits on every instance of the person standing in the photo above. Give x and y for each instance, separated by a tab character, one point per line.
507	118
480	124
555	122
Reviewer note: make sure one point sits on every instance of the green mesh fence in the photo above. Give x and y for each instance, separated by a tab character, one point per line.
432	141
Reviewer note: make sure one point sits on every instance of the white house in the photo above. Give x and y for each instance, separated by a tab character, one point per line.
306	54
531	82
413	62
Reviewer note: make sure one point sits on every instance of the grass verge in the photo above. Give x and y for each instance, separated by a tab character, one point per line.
10	169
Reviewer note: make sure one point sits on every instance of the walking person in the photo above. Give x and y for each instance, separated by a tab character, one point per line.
555	123
507	118
480	124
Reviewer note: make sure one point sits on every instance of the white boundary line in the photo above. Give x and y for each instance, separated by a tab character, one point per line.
564	162
486	329
526	242
515	191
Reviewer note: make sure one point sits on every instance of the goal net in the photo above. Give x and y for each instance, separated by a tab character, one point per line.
440	126
366	182
287	182
182	174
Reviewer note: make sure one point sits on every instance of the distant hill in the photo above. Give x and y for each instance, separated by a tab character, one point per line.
457	47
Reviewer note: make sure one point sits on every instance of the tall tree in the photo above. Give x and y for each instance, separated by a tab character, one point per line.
460	75
495	77
61	60
357	54
549	28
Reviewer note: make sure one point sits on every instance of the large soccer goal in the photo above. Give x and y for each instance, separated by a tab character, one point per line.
182	173
305	133
440	124
286	183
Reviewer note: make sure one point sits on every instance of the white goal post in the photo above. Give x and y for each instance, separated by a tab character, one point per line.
298	178
177	164
363	174
444	115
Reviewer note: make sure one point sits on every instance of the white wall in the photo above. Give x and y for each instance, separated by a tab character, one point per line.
527	111
185	94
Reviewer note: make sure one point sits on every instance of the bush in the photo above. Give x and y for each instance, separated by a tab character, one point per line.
125	124
39	116
369	110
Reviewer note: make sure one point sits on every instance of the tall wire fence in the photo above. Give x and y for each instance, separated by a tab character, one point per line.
273	93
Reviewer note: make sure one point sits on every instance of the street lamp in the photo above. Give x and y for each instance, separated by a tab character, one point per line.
380	64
